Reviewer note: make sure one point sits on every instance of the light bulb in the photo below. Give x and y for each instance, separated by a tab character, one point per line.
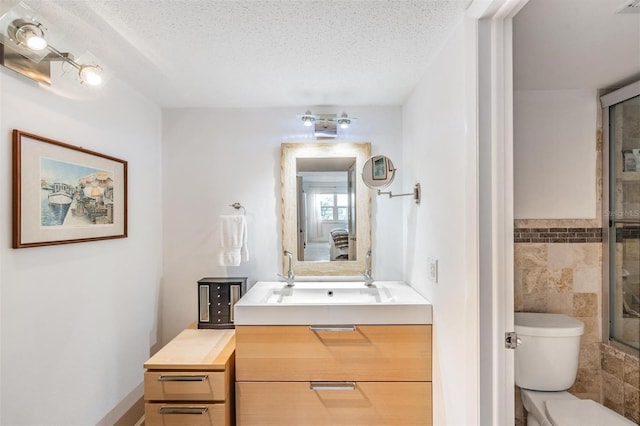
91	74
344	124
308	122
35	42
32	36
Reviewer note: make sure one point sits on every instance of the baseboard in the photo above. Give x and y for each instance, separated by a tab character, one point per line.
128	412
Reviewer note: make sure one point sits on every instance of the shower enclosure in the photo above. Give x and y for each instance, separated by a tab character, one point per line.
621	131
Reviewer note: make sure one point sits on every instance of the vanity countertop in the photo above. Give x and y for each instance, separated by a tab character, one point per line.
332	303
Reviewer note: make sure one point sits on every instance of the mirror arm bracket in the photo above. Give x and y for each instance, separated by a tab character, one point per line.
416	193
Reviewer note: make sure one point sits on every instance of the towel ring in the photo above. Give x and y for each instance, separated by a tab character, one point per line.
239	206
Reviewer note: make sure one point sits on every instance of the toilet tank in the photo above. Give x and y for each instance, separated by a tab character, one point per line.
546	358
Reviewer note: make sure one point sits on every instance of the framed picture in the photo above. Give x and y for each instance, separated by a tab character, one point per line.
379	168
65	194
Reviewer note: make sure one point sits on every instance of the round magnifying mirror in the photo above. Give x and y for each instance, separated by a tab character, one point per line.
378	172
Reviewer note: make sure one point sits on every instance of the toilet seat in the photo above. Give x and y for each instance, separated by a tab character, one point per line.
582	412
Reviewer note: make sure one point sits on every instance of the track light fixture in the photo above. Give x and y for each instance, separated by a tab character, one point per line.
326	124
28	49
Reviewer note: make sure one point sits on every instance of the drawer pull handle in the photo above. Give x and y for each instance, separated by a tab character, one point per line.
332	386
183	409
332	328
183	378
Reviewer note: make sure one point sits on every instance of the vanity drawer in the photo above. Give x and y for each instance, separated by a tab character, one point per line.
363	404
185	414
186	386
368	352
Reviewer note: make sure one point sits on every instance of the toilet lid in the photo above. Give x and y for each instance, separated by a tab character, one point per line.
583	412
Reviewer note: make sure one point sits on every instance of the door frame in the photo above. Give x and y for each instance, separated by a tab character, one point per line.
496	398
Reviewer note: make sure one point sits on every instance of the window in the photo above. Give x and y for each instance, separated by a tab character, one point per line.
333	207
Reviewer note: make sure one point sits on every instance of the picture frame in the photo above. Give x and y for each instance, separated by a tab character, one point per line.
65	194
379	168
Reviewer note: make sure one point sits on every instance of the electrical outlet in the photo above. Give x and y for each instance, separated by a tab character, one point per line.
433	269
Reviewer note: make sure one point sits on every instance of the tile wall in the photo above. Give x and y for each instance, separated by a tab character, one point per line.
558	269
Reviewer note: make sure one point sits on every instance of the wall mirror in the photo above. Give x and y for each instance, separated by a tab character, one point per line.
326	209
378	172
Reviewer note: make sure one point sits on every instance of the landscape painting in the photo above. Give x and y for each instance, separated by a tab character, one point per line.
74	195
65	194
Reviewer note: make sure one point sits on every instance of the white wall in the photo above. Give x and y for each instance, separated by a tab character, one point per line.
439	151
215	157
77	320
555	154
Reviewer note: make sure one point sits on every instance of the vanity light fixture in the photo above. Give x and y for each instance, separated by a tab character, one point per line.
28	51
325	124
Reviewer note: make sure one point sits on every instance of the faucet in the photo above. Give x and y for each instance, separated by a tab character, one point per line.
289	277
368	277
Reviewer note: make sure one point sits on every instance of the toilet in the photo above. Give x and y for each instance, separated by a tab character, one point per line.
546	364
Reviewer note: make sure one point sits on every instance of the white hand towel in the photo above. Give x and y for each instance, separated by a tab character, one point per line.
233	240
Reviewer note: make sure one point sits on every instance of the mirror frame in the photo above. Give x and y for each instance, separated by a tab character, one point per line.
289	153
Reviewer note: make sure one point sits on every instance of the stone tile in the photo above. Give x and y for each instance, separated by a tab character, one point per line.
632	374
534	280
613	366
613	393
610	350
560	256
531	255
561	303
587	381
517	290
632	403
535	302
587	255
560	280
590	357
587	280
585	305
592	332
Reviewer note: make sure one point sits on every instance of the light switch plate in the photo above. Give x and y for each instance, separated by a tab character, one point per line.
433	269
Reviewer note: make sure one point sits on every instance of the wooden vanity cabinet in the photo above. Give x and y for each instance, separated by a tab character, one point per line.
190	381
346	375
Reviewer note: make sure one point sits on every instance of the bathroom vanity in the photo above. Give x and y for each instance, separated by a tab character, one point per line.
349	361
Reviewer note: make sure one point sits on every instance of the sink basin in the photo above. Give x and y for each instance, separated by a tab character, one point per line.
329	295
332	303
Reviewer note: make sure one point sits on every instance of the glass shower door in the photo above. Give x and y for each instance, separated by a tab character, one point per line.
624	222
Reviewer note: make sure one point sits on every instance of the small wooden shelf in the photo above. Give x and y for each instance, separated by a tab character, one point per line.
194	372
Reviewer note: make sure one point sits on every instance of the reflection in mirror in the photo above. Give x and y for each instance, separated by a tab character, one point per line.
325	207
378	172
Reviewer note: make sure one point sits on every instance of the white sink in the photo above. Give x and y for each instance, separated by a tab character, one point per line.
332	303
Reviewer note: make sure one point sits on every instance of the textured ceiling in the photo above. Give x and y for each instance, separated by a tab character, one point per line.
212	53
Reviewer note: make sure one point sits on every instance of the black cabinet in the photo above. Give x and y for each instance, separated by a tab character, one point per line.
216	298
